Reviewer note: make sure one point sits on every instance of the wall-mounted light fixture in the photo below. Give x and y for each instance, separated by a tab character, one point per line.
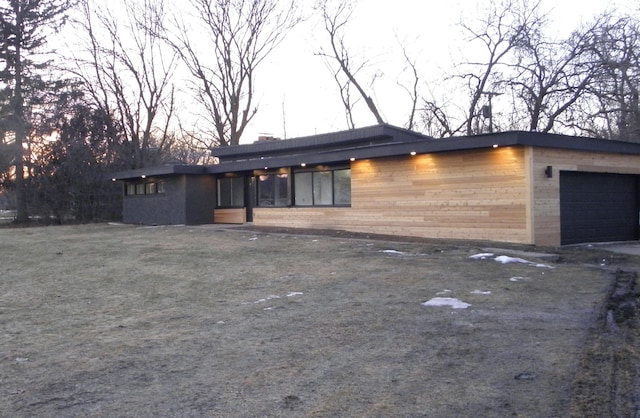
143	176
303	164
352	159
495	145
413	153
548	171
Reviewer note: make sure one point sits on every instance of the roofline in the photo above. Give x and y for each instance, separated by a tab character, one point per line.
158	171
557	141
377	141
370	135
422	145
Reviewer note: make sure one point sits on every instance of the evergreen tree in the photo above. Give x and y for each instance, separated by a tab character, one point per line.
25	26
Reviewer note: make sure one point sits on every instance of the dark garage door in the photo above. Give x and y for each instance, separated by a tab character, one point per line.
598	207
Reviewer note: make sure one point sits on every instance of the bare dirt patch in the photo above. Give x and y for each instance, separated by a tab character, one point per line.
112	320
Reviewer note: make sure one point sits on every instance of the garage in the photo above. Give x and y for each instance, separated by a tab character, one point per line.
598	207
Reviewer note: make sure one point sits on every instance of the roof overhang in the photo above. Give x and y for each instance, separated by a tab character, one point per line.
378	141
371	136
158	171
386	141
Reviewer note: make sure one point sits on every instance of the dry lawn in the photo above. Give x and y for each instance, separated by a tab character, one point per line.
113	320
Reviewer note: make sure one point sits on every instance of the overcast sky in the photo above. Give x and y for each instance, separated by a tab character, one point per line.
297	95
297	92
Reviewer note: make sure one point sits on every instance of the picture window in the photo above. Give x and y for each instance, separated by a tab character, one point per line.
231	192
273	189
323	187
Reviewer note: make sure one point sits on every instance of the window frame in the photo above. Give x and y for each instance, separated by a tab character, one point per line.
316	178
151	187
231	178
278	185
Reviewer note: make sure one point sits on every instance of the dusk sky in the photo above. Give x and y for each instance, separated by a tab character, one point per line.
297	91
297	95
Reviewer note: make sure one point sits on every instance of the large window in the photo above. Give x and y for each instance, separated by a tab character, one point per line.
231	192
342	187
144	188
273	189
325	187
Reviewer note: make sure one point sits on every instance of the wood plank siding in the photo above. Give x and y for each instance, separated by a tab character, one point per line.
502	186
480	194
546	191
229	216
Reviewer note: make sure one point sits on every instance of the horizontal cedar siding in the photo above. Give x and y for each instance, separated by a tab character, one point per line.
465	195
546	191
229	216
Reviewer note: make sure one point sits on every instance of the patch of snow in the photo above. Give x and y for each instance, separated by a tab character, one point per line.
271	297
444	292
481	256
253	238
402	253
452	302
267	298
292	294
481	292
393	252
505	259
517	279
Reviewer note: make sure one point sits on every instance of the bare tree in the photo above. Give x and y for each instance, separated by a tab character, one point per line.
412	90
498	32
548	77
437	118
127	72
335	20
614	53
344	87
223	49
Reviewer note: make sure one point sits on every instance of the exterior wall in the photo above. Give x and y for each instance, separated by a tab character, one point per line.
200	198
546	191
480	194
187	200
159	209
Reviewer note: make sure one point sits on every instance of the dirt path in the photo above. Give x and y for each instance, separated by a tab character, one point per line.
107	320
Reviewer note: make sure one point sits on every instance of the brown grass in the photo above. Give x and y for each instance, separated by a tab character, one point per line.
111	320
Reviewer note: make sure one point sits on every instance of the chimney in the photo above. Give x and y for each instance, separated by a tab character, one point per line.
263	138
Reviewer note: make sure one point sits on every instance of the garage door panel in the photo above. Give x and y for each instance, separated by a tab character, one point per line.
597	207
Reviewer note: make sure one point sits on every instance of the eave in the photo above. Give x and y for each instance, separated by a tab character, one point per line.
386	141
159	171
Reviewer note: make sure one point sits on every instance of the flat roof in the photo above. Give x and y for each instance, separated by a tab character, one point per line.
158	171
388	141
376	141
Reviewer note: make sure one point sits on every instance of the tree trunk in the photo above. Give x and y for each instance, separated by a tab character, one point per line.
21	196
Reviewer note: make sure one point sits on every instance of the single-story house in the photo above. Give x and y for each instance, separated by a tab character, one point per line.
520	187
